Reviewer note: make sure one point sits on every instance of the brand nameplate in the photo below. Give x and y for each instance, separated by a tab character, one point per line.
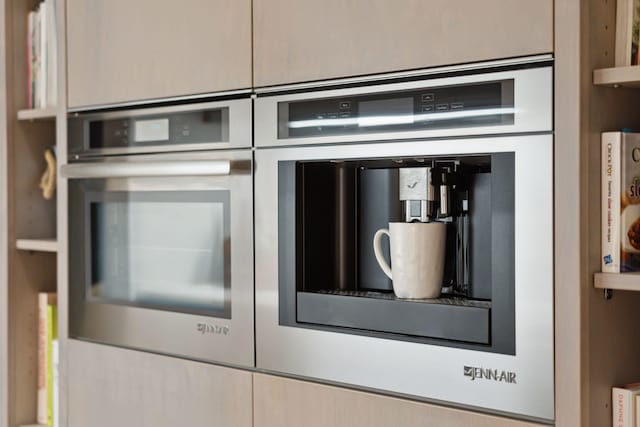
211	329
477	373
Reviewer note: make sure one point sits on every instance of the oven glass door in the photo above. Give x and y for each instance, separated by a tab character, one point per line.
161	255
159	249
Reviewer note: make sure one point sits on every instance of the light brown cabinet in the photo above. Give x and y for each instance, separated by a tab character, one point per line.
297	41
109	386
282	402
121	50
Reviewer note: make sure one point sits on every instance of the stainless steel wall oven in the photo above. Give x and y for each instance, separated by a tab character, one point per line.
335	164
160	223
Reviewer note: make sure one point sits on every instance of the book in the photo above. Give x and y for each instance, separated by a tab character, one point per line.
627	32
55	357
624	404
620	186
42	56
47	333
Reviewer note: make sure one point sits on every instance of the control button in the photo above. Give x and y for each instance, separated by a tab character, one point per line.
427	108
345	105
457	105
186	132
442	107
125	123
428	97
320	117
345	115
118	133
125	132
333	116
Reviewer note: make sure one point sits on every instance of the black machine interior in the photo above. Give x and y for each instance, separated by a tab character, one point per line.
329	211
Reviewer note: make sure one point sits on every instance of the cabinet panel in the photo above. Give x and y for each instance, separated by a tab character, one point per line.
282	402
305	40
109	386
121	50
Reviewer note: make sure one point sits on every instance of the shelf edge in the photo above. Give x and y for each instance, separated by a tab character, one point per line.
618	281
38	245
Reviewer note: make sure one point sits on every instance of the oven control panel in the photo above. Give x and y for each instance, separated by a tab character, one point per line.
477	104
120	131
191	127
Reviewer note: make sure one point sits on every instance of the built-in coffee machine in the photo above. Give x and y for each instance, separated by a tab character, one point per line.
329	212
404	238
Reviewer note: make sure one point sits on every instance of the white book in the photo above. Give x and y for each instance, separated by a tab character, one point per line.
30	58
620	189
42	102
624	405
51	56
36	58
624	24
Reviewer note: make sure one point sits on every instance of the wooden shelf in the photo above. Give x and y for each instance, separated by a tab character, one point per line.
38	114
620	281
618	76
39	245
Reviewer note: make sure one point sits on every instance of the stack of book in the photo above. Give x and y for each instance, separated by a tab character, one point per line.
47	359
42	60
620	202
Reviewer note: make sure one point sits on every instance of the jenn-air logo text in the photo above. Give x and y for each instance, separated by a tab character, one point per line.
475	373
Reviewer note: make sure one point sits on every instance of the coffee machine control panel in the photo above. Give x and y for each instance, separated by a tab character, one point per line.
477	104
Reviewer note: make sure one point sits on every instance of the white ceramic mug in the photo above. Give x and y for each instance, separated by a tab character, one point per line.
417	257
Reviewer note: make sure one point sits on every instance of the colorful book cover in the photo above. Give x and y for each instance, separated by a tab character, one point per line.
620	202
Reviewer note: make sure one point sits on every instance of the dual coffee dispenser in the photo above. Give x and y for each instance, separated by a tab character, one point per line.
332	213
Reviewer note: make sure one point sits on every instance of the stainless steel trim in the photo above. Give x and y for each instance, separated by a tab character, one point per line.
158	100
146	169
533	106
406	74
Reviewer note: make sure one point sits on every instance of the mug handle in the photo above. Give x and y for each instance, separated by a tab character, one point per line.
377	250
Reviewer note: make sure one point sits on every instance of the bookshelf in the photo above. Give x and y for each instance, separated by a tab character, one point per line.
32	244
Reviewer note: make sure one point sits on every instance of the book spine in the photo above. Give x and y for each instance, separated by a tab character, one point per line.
622	410
624	17
43	55
29	57
611	145
42	359
55	355
52	54
51	320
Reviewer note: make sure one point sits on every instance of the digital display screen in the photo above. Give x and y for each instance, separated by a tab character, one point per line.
384	112
151	130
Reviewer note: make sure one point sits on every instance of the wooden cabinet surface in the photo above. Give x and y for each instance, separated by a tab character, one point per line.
297	41
282	402
109	387
120	50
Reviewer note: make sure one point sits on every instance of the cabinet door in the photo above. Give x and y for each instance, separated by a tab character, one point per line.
281	402
297	41
109	387
121	50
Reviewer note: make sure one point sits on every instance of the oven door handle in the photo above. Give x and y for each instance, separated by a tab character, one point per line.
147	169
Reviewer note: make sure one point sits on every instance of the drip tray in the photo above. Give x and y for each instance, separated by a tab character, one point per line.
445	318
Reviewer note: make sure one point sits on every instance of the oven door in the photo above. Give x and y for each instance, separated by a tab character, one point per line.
161	254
